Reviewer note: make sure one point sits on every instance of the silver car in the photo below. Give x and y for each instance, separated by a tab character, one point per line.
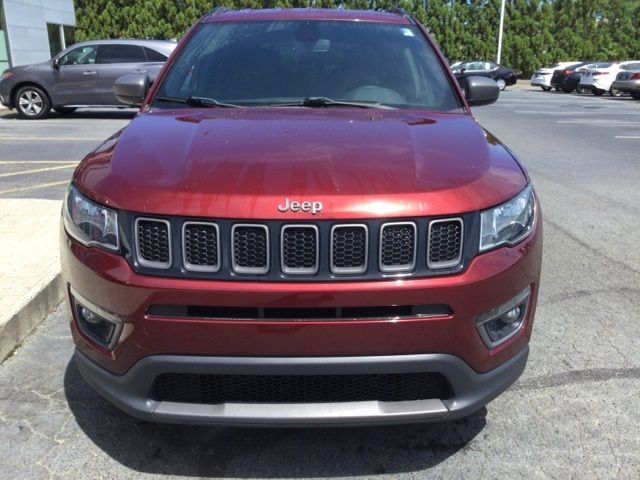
628	81
80	76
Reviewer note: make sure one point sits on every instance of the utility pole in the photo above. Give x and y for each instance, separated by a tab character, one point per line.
500	31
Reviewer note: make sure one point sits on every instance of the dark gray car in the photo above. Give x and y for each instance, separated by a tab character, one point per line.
80	76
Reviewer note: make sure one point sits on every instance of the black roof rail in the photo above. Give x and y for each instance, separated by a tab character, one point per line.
403	13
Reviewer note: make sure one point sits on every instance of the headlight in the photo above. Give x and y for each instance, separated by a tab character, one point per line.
6	75
509	223
89	223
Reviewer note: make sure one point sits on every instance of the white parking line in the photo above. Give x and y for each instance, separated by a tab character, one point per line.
55	139
628	137
36	170
581	112
9	162
33	187
588	121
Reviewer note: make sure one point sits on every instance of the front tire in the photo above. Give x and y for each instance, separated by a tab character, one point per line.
501	84
614	92
64	110
582	90
546	89
32	103
567	89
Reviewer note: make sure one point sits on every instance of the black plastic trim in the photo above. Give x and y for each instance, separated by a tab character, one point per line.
324	273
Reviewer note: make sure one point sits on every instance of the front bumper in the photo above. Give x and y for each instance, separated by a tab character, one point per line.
5	93
472	390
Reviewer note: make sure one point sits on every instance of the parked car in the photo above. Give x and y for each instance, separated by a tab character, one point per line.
268	243
628	81
503	76
567	79
80	76
542	77
598	79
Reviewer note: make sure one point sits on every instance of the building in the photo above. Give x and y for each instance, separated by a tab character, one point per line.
32	31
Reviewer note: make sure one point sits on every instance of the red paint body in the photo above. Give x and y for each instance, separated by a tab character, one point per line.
360	163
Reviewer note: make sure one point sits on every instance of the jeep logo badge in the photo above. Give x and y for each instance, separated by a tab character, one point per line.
313	207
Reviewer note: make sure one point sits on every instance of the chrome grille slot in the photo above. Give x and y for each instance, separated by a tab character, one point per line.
398	246
444	248
299	249
250	248
349	252
201	246
153	242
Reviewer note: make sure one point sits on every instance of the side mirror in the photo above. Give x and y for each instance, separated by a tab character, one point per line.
56	63
481	90
131	89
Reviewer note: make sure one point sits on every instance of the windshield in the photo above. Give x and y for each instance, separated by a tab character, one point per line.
257	63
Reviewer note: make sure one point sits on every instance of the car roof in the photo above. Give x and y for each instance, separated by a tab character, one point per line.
164	45
308	14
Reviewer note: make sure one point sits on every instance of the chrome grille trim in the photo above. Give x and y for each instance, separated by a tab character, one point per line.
250	270
149	263
398	268
451	263
201	268
349	270
300	271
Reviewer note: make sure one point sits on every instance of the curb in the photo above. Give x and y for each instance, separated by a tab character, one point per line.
29	316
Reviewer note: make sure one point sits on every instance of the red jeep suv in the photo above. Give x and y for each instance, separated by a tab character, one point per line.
304	225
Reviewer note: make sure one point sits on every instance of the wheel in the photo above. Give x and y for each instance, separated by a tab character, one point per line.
65	110
32	102
636	95
501	83
557	89
582	90
614	92
567	89
598	93
546	89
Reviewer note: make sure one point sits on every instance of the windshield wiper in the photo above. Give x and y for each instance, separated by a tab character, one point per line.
328	102
198	102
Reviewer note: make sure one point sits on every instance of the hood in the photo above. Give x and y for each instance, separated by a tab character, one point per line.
32	66
243	163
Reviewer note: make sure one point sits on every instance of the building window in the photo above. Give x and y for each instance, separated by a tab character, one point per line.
60	37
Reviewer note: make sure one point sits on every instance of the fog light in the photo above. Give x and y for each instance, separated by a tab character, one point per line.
101	326
503	322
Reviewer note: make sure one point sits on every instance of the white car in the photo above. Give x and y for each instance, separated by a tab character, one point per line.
599	78
542	77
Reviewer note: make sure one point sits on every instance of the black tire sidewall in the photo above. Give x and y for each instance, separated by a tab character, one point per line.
46	103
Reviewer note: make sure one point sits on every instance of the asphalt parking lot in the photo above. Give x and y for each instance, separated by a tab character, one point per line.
38	157
573	414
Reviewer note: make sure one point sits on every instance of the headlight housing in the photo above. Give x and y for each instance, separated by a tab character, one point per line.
508	223
90	223
6	74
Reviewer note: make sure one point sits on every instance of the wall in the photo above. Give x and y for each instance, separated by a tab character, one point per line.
26	27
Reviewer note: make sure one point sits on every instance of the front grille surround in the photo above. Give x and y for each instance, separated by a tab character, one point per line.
139	254
201	268
404	267
368	270
283	254
234	261
354	270
449	263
